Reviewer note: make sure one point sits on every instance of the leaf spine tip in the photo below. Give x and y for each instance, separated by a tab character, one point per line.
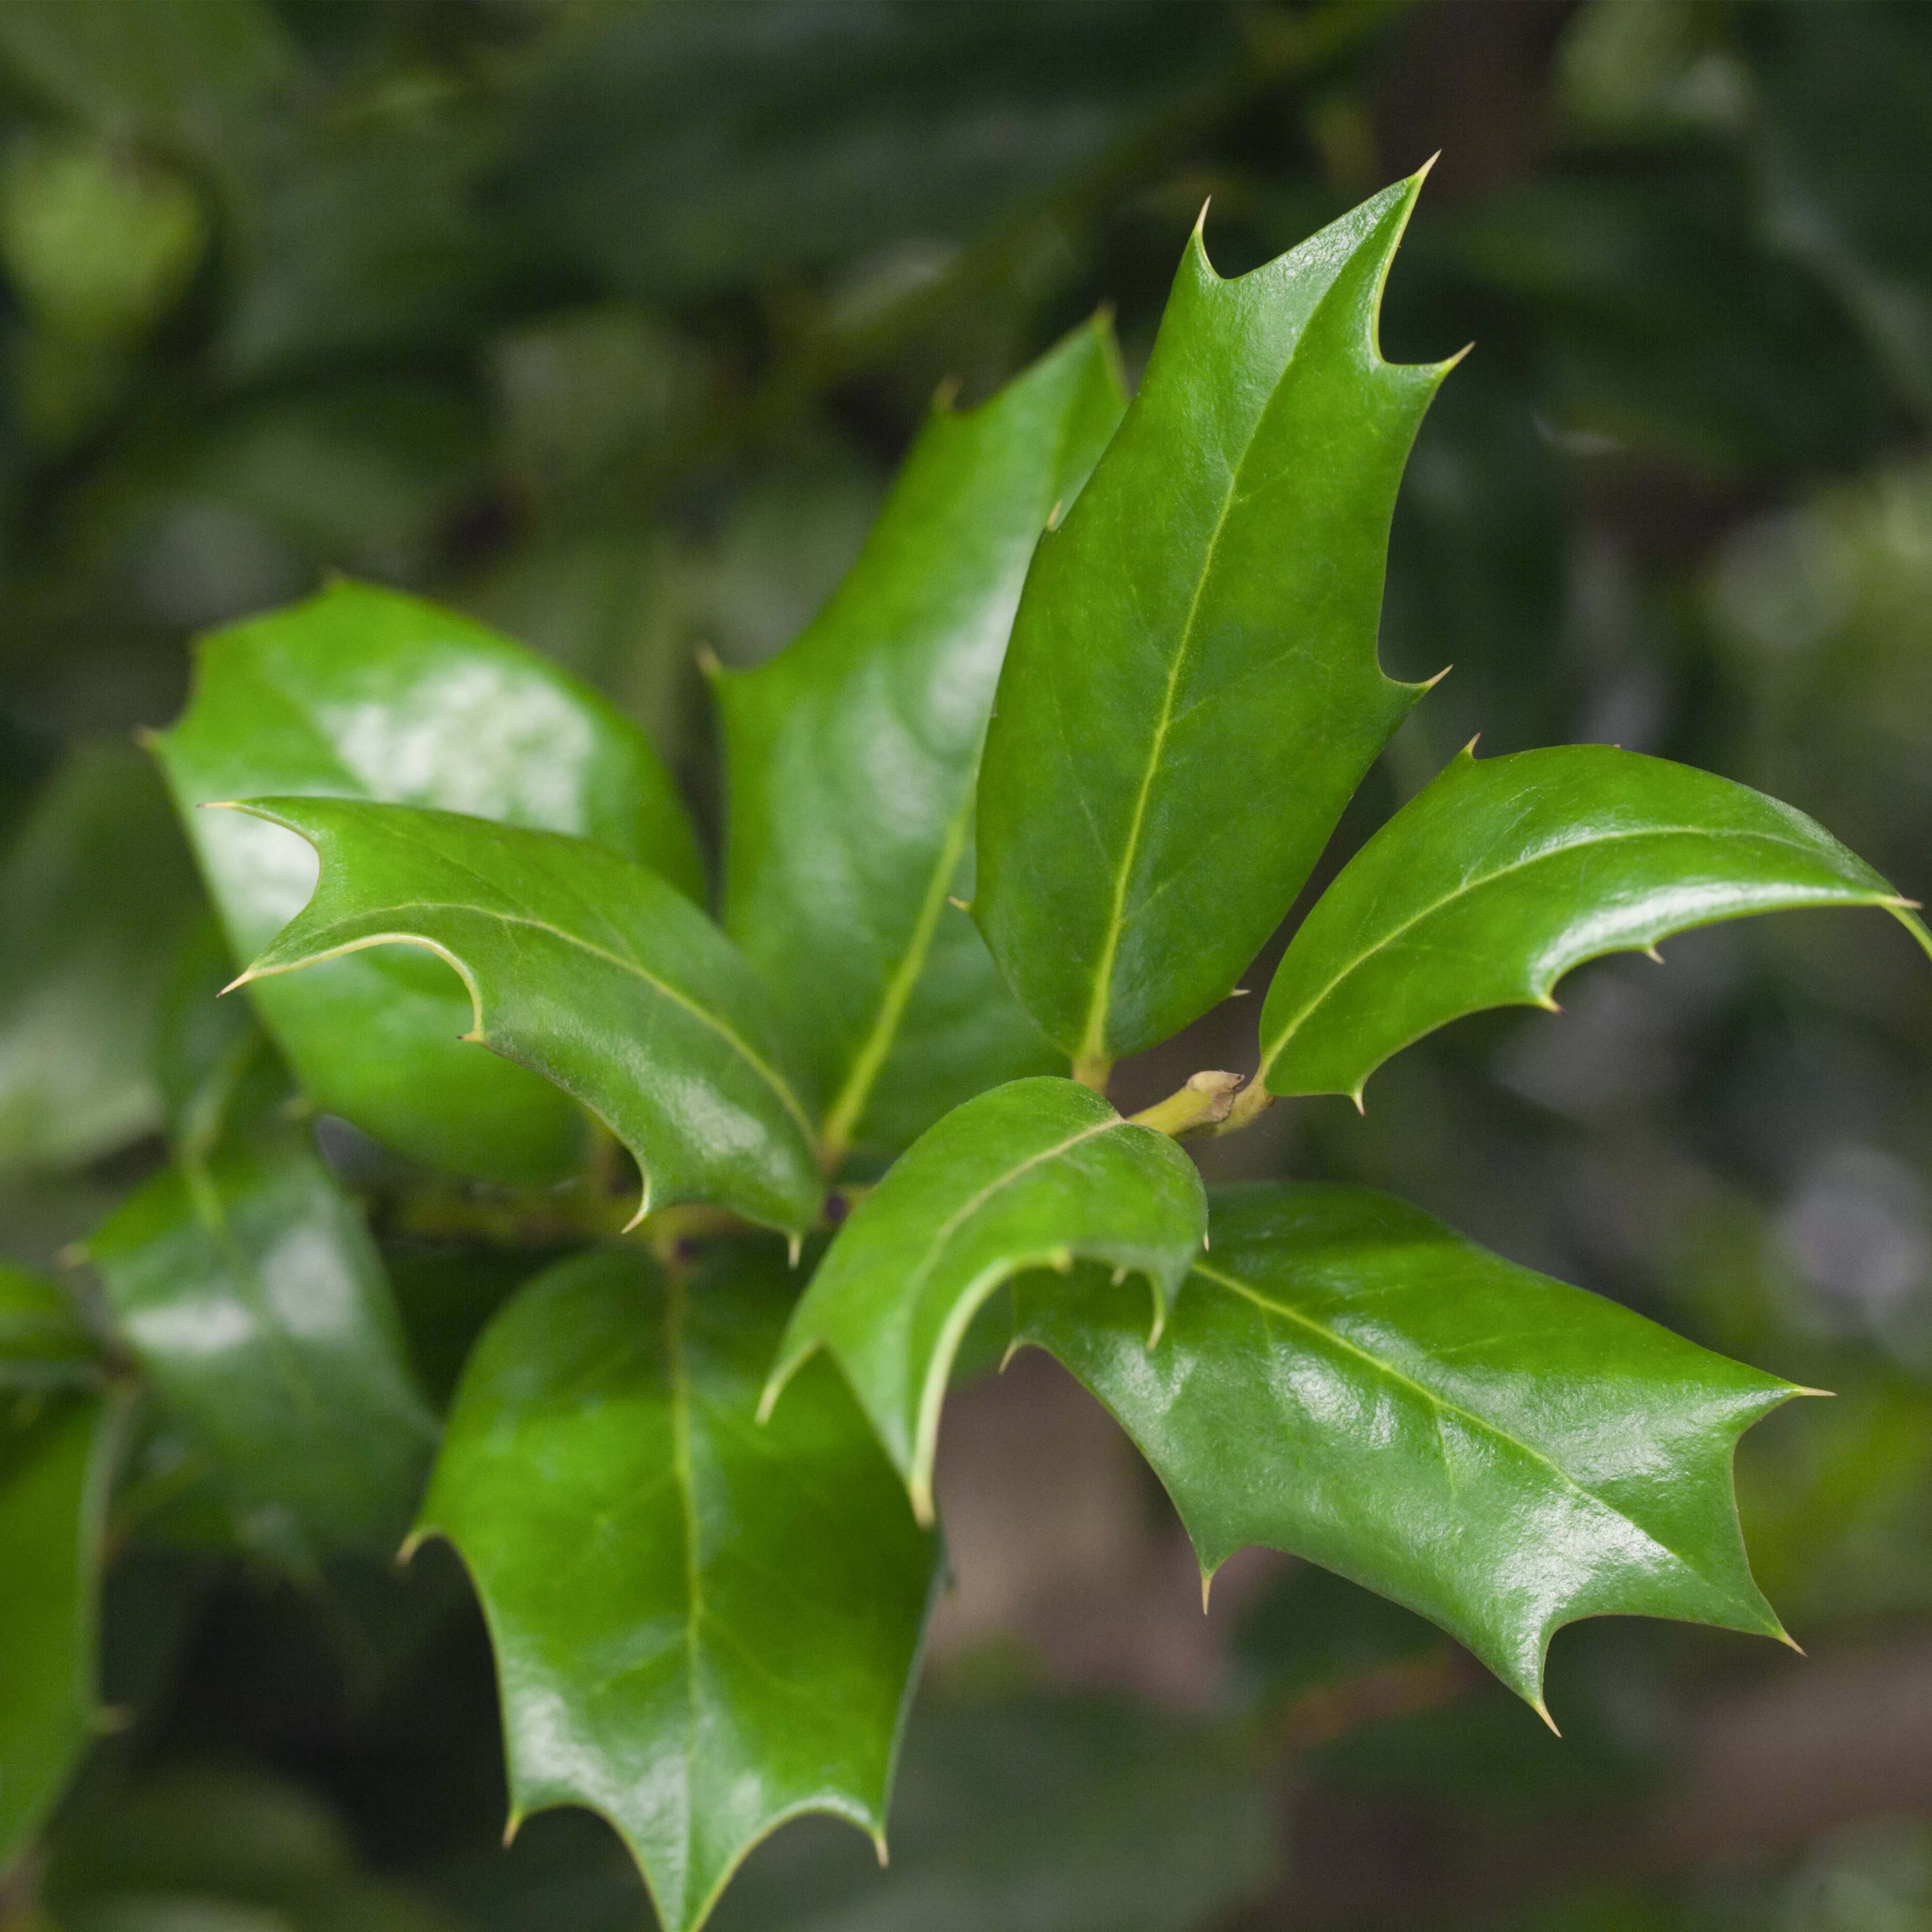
1239	992
644	1202
240	979
879	1846
794	1249
945	395
1206	1584
920	1489
1542	1710
1651	952
1799	1388
1360	1108
512	1826
708	662
1119	1275
965	905
146	737
1421	174
1789	1642
768	1397
1013	1349
1449	362
1429	684
1207	1241
1469	750
1053	515
411	1544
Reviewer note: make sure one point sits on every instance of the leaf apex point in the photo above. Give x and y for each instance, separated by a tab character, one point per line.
411	1544
146	737
879	1846
794	1249
1013	1349
709	664
1800	1388
1542	1710
240	979
1421	174
920	1490
1449	362
1469	750
965	905
1361	1106
945	394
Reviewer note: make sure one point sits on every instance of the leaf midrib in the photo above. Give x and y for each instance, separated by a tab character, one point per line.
1555	849
1440	1405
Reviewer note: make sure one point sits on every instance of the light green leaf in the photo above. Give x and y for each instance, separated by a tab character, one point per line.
850	757
702	1627
252	1294
1492	882
1497	1451
1030	1175
97	889
364	693
56	1461
1192	694
583	968
43	1344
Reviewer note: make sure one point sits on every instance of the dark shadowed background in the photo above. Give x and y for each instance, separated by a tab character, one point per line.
609	322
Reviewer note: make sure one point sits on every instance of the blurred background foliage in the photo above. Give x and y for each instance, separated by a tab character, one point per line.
608	323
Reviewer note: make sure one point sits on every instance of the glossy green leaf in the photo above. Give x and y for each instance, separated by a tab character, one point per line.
97	889
1345	1378
43	1344
585	968
851	758
1192	694
702	1627
1031	1175
249	1288
1492	882
56	1461
364	693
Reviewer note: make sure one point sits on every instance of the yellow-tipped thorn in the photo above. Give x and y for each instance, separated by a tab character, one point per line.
965	905
1651	952
644	1208
921	1488
1062	1261
1053	515
1201	220
1542	1710
1429	684
1799	1388
945	395
879	1846
1361	1105
1013	1349
1789	1642
146	736
1239	992
768	1400
794	1249
1469	749
1449	362
1119	1275
708	662
411	1544
240	979
1207	1584
1421	174
511	1828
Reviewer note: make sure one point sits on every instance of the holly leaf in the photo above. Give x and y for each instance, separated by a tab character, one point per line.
1499	1452
249	1288
365	693
851	758
56	1462
1030	1175
1205	618
702	1627
583	968
96	886
1501	875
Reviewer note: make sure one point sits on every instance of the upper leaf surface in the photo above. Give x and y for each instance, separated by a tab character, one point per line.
249	1288
364	693
702	1627
1502	874
97	888
1497	1451
1031	1175
850	757
55	1465
1192	694
585	968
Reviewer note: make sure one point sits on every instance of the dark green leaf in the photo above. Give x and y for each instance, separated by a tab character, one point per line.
1192	694
702	1627
585	968
851	758
56	1460
96	891
251	1291
43	1344
362	693
1499	1452
1488	886
1030	1175
1038	1815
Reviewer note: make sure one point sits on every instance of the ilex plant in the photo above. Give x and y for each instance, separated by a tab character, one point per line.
1027	797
